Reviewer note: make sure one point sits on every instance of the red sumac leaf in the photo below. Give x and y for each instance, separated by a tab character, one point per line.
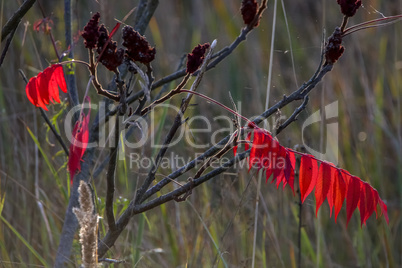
323	184
80	137
268	173
247	145
369	205
330	183
332	189
352	196
235	147
376	198
58	75
33	94
274	162
290	169
257	142
279	164
115	28
308	175
384	210
262	148
234	150
42	82
44	87
362	205
337	193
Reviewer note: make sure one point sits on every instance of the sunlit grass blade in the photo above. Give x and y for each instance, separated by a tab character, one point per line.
22	239
209	234
49	164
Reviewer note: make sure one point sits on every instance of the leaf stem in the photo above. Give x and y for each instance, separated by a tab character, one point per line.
360	26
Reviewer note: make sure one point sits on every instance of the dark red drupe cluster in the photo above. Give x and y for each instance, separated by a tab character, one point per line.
249	11
91	32
349	7
97	37
196	57
138	48
334	48
111	56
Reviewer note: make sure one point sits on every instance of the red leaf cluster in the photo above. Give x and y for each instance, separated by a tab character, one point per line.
43	25
273	158
331	183
349	7
196	57
137	46
80	137
44	87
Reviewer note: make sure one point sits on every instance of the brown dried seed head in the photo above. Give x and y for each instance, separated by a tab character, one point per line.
91	31
334	48
349	7
138	48
249	11
111	57
196	57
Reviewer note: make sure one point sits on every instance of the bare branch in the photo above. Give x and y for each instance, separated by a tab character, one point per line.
294	116
110	178
15	19
7	46
136	207
144	15
176	125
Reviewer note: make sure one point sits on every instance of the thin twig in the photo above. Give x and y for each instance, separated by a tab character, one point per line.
344	22
299	231
139	207
166	86
218	57
145	14
173	92
298	94
8	42
15	19
110	178
294	116
360	25
137	112
92	69
53	129
70	77
110	238
70	224
177	123
140	11
50	33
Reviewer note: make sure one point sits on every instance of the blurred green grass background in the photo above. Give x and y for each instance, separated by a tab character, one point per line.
366	82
